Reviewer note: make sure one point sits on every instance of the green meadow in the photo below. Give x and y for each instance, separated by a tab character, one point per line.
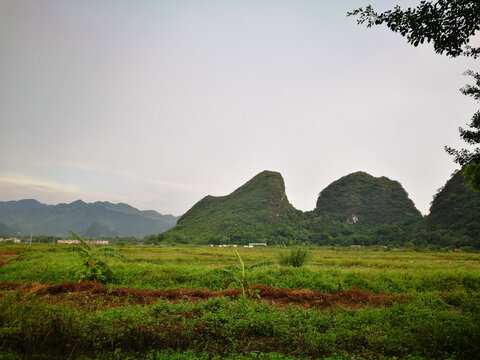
434	314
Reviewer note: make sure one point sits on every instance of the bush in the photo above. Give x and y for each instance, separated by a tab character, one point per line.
294	255
94	269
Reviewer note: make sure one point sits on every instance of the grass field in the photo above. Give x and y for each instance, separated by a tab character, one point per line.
179	303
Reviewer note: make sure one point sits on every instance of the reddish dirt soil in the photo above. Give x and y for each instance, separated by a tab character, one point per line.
6	255
95	295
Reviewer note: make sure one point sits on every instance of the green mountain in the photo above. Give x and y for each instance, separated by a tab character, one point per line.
359	209
254	212
99	219
454	217
362	198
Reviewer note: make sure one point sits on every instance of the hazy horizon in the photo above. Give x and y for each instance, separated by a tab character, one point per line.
158	104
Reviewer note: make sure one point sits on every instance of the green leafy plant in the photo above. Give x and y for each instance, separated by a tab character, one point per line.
296	254
472	288
242	279
94	269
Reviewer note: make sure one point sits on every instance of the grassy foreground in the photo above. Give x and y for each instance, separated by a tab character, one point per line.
437	315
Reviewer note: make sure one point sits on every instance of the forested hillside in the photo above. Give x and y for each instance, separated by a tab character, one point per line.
359	209
454	217
253	212
356	209
362	198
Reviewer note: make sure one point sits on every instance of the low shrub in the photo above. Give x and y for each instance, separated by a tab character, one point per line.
293	255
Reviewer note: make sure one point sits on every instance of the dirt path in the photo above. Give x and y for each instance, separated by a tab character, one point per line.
94	295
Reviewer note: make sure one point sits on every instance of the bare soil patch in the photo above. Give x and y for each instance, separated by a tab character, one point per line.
95	295
6	254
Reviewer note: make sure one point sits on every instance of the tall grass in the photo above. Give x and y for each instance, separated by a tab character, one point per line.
327	269
294	255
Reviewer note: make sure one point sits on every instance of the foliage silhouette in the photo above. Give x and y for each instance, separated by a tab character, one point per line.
470	159
449	25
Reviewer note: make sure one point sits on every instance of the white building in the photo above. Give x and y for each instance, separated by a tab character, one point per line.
14	240
93	242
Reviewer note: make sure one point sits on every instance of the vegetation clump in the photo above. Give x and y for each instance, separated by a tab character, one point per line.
296	254
93	268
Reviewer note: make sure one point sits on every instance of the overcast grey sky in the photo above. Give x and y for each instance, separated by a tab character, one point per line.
159	103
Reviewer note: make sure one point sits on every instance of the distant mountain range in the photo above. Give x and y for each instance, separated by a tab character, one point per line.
98	219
